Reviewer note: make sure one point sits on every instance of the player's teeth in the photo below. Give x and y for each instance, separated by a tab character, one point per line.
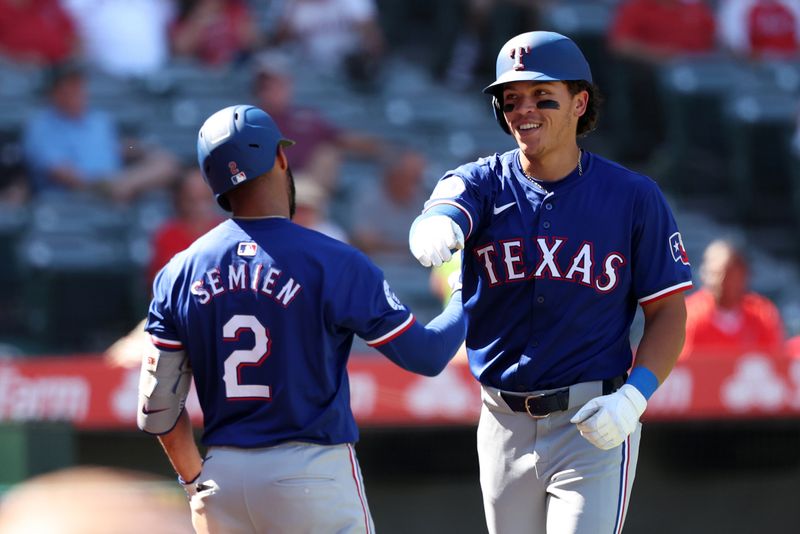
529	126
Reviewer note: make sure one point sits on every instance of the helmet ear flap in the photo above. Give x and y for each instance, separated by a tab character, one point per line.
498	114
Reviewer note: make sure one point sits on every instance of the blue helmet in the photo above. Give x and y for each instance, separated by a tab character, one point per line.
538	57
234	145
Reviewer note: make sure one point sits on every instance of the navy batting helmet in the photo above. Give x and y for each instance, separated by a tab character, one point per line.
537	57
234	145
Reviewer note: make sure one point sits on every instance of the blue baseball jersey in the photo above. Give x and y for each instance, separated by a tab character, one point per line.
266	311
553	272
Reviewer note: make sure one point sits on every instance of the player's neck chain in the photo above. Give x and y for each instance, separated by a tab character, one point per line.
536	182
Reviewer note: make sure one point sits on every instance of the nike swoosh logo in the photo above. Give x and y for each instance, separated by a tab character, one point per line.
148	412
504	207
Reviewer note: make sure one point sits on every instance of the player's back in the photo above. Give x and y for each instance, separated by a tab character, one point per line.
263	308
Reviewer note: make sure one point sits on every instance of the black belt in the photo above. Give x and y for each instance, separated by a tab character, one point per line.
542	405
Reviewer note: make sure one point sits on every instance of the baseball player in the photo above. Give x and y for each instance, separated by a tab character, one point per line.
261	312
559	247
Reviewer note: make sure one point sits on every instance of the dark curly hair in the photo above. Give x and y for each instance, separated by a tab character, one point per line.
588	121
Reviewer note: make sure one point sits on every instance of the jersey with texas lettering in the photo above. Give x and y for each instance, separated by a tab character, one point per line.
553	272
266	311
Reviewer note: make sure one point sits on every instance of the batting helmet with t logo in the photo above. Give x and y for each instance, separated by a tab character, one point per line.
536	57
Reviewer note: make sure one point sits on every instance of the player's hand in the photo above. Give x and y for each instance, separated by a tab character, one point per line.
433	238
606	421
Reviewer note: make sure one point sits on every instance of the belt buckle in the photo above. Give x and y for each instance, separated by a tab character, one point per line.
528	408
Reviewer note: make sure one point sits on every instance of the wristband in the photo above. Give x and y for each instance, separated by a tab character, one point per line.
644	380
185	482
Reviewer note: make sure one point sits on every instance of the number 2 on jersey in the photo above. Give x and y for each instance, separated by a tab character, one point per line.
253	357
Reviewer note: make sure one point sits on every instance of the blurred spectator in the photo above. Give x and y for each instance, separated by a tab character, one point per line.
217	32
656	30
760	28
334	36
793	347
386	209
724	316
123	38
36	31
645	34
312	208
483	26
196	213
66	145
86	499
14	182
321	145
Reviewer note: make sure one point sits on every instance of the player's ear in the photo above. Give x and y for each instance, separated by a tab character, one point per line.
581	103
281	161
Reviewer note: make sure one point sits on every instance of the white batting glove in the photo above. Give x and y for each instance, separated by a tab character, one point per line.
433	238
606	421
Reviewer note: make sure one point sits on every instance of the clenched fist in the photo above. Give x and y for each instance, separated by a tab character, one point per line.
606	421
433	239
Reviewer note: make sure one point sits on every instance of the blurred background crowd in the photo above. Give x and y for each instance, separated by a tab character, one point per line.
100	102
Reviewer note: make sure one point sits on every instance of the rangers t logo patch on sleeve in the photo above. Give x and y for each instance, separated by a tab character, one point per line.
676	246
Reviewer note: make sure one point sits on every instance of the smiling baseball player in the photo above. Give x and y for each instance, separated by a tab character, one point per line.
261	313
559	248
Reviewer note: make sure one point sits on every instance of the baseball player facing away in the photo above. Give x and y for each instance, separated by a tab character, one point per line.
559	247
261	312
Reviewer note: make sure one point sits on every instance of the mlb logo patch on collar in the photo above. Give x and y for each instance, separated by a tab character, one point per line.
247	249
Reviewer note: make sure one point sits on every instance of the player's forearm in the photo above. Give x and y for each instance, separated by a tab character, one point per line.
181	448
664	335
426	350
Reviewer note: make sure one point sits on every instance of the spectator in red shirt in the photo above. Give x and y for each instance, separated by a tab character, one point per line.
724	316
195	214
655	30
793	347
36	31
217	32
761	28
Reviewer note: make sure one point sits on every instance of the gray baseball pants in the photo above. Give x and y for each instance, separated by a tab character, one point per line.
292	488
540	476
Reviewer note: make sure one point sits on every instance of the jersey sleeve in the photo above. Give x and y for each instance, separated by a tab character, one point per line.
160	323
364	303
660	264
458	196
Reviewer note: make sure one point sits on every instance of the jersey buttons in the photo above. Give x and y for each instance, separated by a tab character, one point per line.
548	206
546	225
540	299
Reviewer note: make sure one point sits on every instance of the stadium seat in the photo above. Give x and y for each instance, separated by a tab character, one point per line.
692	92
80	283
758	127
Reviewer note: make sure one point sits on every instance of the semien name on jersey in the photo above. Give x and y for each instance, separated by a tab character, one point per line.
261	279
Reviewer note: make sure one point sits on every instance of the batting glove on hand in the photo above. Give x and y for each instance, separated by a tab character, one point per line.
433	238
606	421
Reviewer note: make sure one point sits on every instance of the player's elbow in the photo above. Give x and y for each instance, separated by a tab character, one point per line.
431	366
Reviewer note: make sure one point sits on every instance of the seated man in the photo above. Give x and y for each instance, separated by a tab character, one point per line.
69	146
724	316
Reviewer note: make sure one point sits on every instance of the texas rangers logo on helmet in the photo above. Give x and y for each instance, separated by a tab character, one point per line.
516	53
676	246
